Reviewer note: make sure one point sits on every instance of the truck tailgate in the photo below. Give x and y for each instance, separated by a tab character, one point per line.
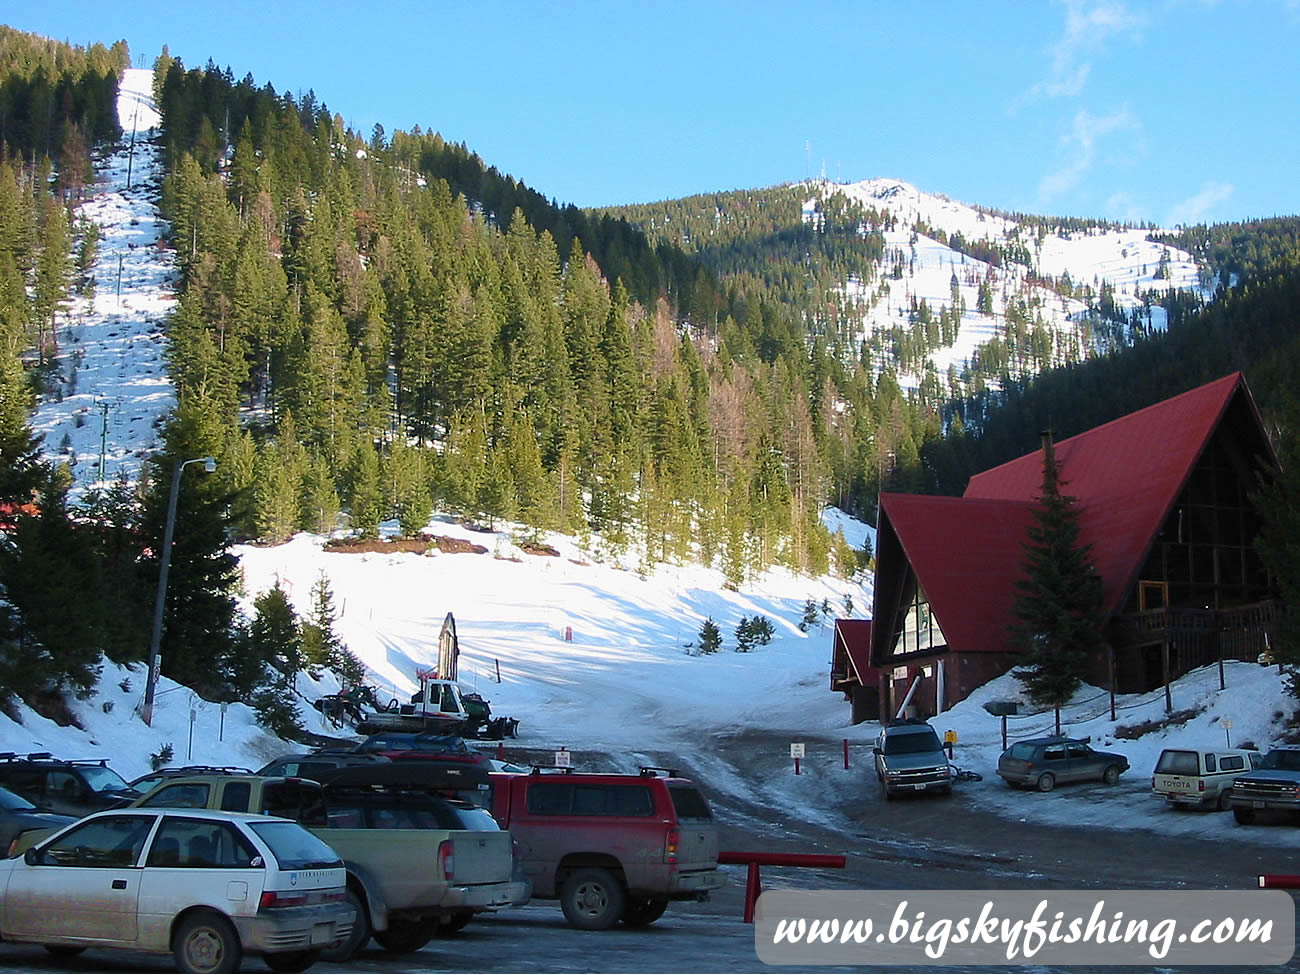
481	857
698	847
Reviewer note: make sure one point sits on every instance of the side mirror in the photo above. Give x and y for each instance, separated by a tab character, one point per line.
875	750
32	856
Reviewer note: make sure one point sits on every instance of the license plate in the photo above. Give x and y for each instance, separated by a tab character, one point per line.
323	934
918	785
1257	804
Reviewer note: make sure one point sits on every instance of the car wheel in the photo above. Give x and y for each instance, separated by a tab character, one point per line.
64	951
291	961
1111	775
205	942
592	899
1244	817
1046	782
1225	800
345	948
640	911
404	937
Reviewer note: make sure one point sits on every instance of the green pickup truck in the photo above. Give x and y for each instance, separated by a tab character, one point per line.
415	859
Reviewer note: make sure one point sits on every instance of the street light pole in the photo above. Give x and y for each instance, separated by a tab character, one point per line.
155	643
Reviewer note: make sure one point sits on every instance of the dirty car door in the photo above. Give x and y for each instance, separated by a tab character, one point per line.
84	884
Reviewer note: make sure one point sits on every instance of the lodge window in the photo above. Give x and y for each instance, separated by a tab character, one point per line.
919	630
1204	551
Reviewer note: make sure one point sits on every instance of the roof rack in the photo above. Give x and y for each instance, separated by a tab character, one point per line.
539	769
47	757
653	771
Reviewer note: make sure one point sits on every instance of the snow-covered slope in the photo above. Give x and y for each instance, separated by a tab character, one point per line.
113	389
1123	259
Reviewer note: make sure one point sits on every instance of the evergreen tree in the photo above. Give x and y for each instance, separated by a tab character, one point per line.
1058	603
810	617
54	588
275	640
200	621
321	646
710	637
367	500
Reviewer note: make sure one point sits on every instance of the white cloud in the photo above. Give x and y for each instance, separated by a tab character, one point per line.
1081	147
1122	206
1194	209
1087	28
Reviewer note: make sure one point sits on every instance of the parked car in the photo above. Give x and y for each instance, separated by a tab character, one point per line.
404	885
910	758
18	816
144	783
1041	763
1275	784
422	746
1203	778
311	764
206	886
73	788
610	847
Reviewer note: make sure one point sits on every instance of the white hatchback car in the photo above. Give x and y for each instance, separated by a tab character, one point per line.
205	885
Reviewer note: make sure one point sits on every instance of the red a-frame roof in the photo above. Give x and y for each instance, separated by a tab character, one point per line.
852	650
968	553
967	557
1126	474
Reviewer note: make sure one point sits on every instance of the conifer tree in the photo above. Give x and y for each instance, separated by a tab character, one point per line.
1058	601
321	646
320	504
200	613
367	502
275	640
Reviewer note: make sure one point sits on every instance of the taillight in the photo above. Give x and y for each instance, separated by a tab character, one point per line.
672	843
297	898
278	898
447	859
1200	785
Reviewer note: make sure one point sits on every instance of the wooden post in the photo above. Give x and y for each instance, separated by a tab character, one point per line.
1164	663
846	753
1111	666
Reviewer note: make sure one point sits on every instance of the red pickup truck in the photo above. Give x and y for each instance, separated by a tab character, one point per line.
610	847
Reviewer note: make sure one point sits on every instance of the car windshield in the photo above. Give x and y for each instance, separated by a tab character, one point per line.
1177	763
1021	751
100	778
911	743
295	848
1285	760
14	803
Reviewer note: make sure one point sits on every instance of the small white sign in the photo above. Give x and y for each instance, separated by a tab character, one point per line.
796	749
562	759
1225	723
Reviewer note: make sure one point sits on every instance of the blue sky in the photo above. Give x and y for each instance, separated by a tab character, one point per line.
1173	111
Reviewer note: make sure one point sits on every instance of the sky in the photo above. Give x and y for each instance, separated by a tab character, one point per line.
1170	111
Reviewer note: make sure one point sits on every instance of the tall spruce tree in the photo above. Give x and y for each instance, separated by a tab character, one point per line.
1058	602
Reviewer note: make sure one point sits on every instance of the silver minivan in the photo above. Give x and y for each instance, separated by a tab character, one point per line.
1200	777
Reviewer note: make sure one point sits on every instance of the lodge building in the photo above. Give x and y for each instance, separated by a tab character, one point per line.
1164	499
